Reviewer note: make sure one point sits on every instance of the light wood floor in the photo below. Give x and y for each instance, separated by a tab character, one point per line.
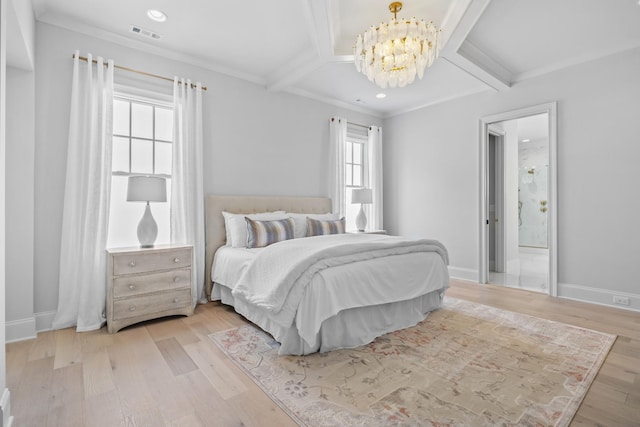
168	372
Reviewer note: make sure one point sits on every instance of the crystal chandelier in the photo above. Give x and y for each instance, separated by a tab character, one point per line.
392	54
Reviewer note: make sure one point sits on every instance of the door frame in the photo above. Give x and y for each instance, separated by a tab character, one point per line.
500	234
550	109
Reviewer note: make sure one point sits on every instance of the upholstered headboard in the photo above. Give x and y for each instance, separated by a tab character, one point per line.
214	226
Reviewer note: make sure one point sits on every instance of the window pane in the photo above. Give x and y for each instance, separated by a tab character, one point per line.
163	158
357	154
348	175
141	120
357	175
161	213
124	216
164	124
120	161
141	156
349	153
120	117
351	211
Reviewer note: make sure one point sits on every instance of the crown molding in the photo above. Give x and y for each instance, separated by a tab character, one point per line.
79	27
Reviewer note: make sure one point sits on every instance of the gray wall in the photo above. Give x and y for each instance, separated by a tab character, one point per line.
20	203
256	142
432	171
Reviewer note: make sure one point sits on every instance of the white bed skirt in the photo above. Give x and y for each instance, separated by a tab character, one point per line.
349	328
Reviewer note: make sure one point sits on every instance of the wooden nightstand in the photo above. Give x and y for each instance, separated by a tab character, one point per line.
147	283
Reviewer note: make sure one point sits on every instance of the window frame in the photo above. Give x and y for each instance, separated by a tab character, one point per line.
350	144
153	102
124	222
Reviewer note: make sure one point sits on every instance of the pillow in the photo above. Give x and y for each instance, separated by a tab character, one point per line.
300	229
236	227
265	233
318	227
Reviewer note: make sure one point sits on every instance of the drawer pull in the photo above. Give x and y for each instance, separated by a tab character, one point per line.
176	279
132	308
132	264
176	260
132	286
175	300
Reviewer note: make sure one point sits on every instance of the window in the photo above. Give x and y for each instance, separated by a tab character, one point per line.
142	145
355	167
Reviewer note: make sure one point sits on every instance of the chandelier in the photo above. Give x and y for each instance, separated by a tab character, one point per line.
395	52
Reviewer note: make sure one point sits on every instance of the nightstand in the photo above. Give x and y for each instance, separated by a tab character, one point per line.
147	283
369	232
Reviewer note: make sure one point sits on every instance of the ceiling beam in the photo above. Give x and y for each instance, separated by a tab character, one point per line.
317	14
463	54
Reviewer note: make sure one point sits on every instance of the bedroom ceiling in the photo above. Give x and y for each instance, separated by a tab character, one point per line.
304	46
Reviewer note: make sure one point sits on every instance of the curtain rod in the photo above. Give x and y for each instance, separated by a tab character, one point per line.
355	124
120	67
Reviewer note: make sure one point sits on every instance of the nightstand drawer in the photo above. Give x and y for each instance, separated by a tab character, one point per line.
142	262
142	305
125	286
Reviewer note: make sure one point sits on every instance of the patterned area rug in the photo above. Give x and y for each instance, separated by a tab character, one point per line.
465	365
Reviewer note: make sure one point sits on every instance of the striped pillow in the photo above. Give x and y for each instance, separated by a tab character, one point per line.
264	233
318	227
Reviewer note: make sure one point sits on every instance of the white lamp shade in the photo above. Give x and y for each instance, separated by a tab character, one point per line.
146	189
361	195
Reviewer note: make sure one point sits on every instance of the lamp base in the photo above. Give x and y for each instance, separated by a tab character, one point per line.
147	229
361	219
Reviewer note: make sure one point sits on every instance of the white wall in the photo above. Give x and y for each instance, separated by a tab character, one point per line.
512	252
4	399
20	147
431	173
256	142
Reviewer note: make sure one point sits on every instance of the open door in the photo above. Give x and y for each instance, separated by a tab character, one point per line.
498	209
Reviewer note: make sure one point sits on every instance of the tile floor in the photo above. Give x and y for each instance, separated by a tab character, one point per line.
532	275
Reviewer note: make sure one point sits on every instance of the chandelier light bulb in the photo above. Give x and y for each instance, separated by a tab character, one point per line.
394	53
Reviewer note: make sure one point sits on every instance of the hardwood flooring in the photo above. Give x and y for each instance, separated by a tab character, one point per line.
169	373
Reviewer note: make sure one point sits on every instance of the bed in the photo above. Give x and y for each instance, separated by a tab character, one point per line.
377	284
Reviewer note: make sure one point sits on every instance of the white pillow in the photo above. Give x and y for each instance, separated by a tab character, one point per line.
236	226
300	229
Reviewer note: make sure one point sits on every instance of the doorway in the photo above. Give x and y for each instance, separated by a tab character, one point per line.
518	199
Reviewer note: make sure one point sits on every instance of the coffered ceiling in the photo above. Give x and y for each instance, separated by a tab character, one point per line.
304	46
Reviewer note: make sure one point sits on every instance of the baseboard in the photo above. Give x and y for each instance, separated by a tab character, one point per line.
44	321
5	408
598	296
463	273
20	330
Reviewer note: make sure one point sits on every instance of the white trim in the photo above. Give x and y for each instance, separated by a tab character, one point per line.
463	273
598	296
20	330
123	90
483	251
499	210
5	406
44	320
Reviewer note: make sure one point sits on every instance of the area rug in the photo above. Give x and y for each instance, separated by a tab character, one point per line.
465	365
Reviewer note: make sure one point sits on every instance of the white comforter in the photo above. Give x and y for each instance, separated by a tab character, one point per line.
276	279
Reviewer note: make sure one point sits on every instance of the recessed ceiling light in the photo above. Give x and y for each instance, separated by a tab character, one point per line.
156	15
526	140
381	95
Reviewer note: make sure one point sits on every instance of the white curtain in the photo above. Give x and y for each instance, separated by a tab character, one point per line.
82	280
337	143
187	194
374	175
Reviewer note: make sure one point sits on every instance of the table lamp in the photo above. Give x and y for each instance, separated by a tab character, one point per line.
362	196
147	189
